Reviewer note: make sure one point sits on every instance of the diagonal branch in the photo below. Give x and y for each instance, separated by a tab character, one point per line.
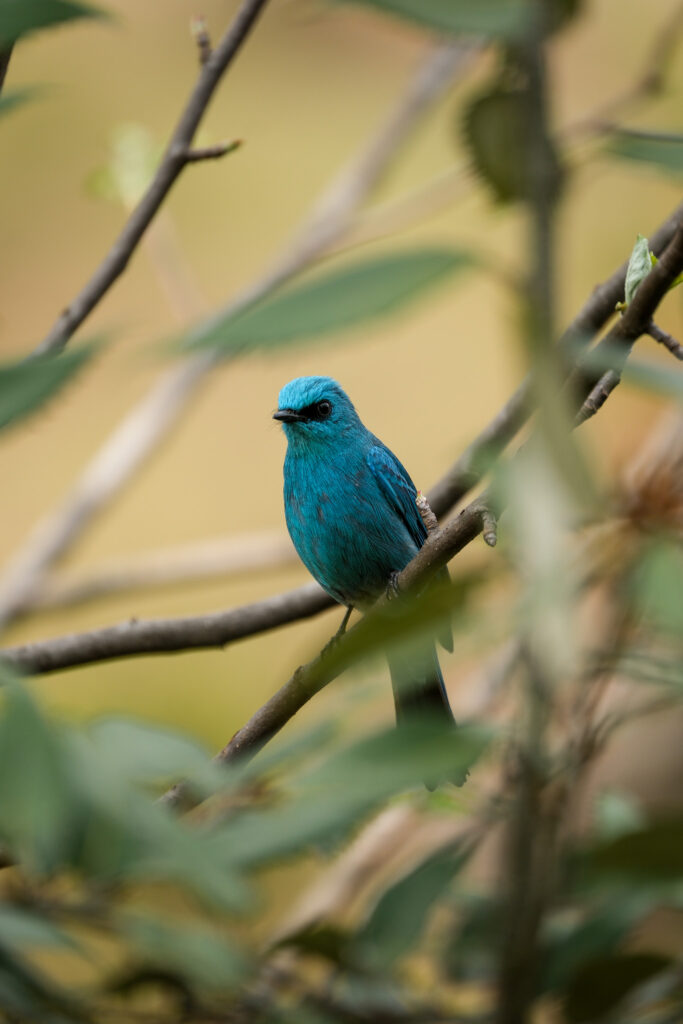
216	630
439	547
177	155
149	422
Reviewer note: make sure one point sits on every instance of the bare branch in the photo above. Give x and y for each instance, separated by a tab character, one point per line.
151	636
219	558
200	34
669	342
172	163
5	57
150	421
195	156
634	322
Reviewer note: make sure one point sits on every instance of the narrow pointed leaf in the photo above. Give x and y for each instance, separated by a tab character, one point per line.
19	17
333	301
27	385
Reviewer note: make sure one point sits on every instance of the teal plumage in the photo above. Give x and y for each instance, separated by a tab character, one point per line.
352	516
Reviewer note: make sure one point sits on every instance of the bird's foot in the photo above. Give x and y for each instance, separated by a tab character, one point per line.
336	637
393	588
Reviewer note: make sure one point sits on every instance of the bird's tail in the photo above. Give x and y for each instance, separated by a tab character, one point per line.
419	690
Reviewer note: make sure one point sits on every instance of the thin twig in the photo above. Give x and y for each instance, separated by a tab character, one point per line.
667	340
219	558
5	57
172	163
635	321
149	422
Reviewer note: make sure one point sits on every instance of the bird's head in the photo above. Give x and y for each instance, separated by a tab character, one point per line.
314	410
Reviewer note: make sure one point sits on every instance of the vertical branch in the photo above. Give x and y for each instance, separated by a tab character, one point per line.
532	831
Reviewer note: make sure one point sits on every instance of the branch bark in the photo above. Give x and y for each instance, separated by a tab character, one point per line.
175	158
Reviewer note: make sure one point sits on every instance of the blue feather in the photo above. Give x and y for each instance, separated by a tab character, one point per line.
351	513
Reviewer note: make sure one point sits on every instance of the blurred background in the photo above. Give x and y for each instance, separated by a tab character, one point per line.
309	89
306	94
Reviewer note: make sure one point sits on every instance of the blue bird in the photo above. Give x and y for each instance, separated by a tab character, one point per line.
351	513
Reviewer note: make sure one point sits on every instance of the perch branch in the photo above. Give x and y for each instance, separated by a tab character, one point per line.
439	547
175	158
477	517
669	342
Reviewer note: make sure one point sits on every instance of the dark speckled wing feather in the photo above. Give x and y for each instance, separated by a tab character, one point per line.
400	491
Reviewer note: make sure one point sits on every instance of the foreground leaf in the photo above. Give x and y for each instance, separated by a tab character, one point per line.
333	301
664	153
19	17
493	18
27	385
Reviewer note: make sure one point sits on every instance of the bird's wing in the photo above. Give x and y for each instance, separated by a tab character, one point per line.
398	489
400	492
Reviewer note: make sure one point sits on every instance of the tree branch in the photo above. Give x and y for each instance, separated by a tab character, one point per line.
172	163
5	57
667	340
149	422
152	636
479	516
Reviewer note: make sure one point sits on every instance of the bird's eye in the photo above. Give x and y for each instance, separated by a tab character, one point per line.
324	409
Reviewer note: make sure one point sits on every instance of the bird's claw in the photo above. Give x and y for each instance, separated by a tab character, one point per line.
393	588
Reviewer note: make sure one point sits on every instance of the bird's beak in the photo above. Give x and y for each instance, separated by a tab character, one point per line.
289	416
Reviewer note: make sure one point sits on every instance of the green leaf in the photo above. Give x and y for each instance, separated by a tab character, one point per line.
495	127
201	956
333	301
654	853
28	384
13	98
19	17
343	789
493	18
639	266
149	754
664	153
36	803
657	586
602	984
397	921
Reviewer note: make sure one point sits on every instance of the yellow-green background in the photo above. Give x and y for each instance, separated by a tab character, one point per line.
311	85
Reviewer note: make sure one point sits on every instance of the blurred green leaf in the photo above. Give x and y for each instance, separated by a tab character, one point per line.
639	266
665	153
332	301
19	17
602	984
331	799
37	806
566	950
23	928
27	385
150	754
616	814
13	98
654	853
324	941
657	586
397	921
495	127
201	956
495	18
